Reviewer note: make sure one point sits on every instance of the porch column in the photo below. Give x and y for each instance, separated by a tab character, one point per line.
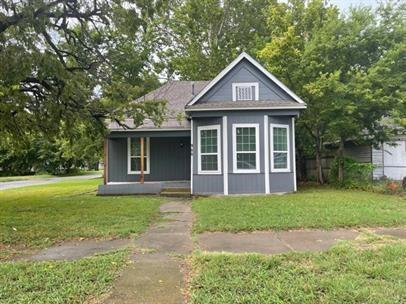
105	160
142	160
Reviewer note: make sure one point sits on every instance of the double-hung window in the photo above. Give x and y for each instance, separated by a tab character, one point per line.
245	91
134	155
209	158
280	160
246	148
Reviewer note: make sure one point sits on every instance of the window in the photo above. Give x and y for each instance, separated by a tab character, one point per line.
134	155
245	91
246	148
209	150
280	148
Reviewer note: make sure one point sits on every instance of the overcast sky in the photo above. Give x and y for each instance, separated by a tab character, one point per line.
345	4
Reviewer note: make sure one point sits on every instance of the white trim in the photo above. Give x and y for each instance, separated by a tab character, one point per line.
273	169
246	125
199	157
294	155
266	153
257	65
245	84
129	157
191	156
225	156
244	109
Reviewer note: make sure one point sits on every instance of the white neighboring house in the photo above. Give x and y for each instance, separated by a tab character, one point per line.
390	160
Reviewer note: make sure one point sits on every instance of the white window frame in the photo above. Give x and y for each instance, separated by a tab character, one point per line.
245	84
257	150
199	152
129	156
283	126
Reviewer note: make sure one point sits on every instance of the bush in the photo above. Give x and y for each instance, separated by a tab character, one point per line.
356	175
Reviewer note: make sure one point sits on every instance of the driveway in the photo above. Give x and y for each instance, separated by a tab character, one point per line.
44	181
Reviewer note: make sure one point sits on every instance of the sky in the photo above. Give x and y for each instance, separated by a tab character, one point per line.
345	4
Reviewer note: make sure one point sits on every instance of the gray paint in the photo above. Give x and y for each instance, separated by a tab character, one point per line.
239	183
244	72
207	183
169	160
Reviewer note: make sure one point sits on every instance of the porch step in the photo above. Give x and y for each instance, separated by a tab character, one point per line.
176	189
176	192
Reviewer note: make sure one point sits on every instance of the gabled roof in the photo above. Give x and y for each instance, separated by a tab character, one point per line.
224	72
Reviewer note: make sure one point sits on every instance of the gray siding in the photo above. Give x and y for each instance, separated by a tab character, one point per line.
239	183
207	183
245	182
244	72
169	160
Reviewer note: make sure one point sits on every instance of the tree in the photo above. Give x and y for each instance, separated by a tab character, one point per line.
332	62
292	26
63	59
203	36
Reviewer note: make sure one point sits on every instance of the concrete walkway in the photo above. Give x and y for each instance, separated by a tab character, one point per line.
271	242
44	181
76	250
155	273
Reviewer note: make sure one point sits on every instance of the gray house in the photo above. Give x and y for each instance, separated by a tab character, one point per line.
234	134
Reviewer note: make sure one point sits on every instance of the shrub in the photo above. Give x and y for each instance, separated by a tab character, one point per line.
356	175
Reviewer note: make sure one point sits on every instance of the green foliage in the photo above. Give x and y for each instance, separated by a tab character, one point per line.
203	36
65	68
371	273
357	175
322	208
42	215
350	69
59	282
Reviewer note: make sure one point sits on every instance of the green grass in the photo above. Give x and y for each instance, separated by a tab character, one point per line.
36	176
310	208
41	215
344	274
59	282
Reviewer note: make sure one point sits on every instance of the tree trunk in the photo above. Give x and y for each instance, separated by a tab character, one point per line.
341	161
319	166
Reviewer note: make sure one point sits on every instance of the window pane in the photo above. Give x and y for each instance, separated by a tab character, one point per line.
209	163
246	160
208	141
246	139
280	160
136	164
135	146
280	139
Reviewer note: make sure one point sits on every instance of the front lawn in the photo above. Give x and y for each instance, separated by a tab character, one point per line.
59	282
311	208
41	215
371	273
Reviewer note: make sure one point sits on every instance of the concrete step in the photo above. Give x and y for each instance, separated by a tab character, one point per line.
176	189
176	194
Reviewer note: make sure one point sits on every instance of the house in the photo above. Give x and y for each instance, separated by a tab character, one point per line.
234	134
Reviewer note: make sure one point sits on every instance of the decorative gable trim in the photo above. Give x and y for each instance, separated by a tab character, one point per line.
232	65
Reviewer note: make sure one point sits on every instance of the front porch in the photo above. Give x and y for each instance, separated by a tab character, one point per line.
141	162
